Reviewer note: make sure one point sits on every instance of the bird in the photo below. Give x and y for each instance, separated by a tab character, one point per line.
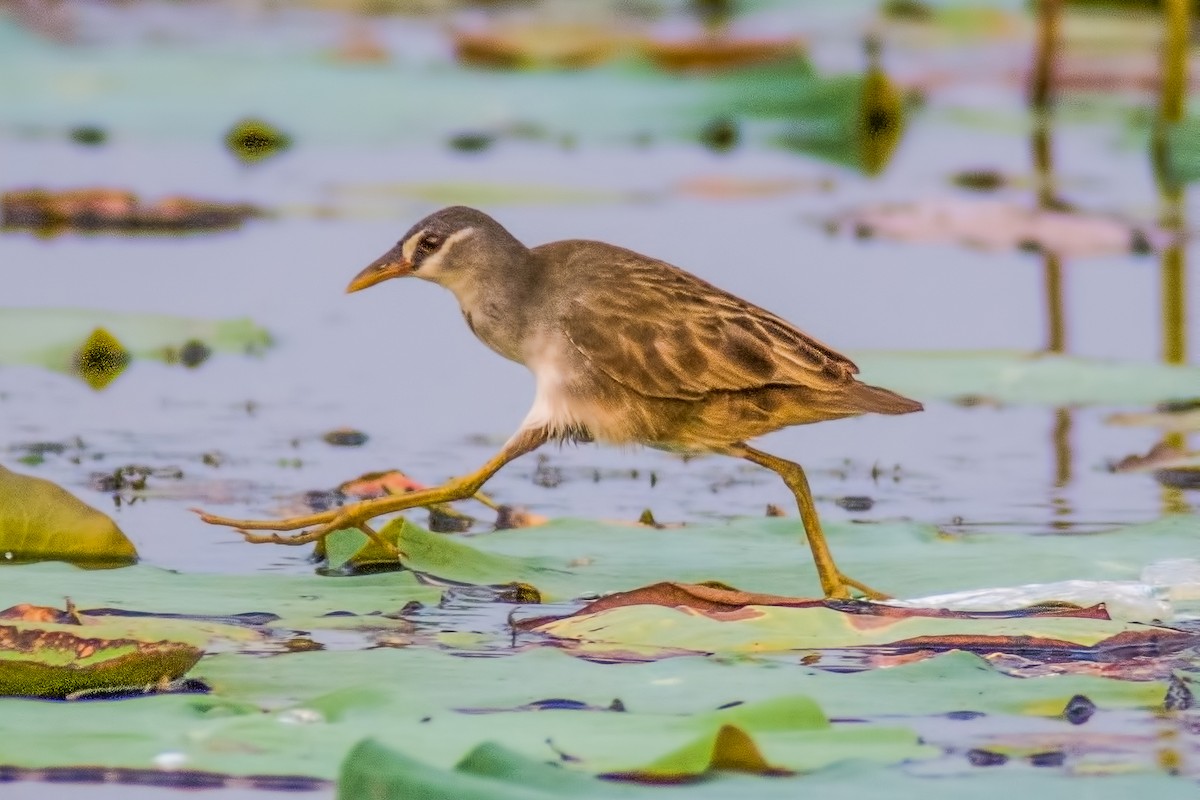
624	349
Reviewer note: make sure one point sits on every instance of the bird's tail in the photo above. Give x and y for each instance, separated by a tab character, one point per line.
878	400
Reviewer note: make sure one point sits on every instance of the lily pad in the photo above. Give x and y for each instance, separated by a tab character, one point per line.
53	662
1027	378
644	629
489	772
41	521
54	337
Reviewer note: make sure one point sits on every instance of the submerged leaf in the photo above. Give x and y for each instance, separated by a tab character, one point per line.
41	521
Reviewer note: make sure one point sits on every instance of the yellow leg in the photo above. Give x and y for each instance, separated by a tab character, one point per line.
833	582
317	526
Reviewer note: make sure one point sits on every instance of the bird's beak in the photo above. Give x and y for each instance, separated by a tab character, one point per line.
391	265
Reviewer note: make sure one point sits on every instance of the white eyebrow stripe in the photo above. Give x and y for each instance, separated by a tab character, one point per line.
410	244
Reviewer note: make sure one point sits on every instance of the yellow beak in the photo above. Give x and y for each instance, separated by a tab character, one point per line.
388	266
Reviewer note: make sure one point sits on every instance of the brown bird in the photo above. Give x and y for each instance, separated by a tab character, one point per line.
624	349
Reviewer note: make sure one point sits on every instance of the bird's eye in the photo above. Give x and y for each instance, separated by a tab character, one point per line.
428	244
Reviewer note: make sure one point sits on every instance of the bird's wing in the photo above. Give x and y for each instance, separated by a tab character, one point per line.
666	333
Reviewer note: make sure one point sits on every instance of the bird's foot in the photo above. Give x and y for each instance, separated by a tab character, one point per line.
312	528
847	588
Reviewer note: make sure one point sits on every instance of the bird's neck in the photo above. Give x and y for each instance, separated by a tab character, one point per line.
496	303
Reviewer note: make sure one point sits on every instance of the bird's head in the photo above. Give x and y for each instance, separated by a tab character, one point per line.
449	247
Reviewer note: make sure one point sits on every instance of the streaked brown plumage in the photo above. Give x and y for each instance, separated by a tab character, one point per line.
624	349
669	360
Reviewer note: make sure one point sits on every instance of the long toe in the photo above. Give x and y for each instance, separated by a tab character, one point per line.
852	587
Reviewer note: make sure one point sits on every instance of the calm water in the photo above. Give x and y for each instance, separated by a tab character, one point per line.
399	364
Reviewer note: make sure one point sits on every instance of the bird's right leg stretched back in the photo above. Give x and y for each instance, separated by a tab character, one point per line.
313	527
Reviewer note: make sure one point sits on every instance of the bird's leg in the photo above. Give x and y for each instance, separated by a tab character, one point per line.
833	582
356	515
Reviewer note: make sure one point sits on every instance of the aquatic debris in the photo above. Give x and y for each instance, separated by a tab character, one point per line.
720	134
345	437
855	502
1170	465
131	478
446	519
977	757
379	484
106	209
721	53
511	517
1162	456
1079	709
88	135
252	140
192	354
980	180
471	141
999	225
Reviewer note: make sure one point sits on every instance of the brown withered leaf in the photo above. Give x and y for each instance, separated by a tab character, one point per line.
707	599
1000	225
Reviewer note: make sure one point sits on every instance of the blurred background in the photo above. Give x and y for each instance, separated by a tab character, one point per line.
985	203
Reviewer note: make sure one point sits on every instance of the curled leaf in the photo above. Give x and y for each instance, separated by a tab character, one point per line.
41	521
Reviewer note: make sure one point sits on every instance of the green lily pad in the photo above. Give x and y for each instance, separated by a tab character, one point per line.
765	629
188	93
489	772
58	338
1027	378
41	521
494	772
54	662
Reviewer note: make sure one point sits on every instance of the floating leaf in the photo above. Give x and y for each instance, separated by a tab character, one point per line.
729	748
488	772
41	521
428	552
777	628
859	124
55	662
105	209
721	53
534	46
1027	378
97	342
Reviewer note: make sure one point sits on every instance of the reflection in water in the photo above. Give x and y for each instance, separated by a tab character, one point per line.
1173	216
1041	96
